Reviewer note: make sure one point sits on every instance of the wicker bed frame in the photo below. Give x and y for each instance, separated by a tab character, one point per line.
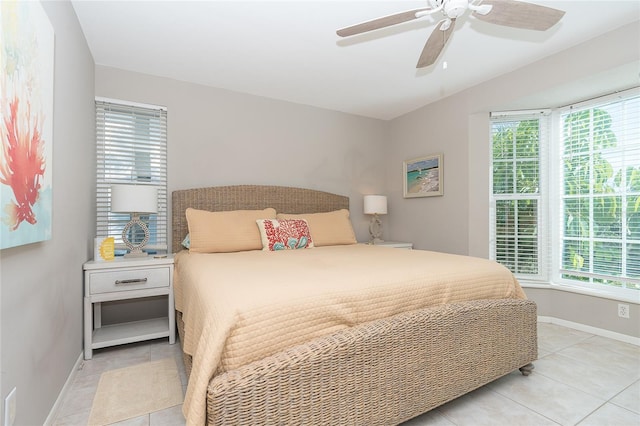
378	373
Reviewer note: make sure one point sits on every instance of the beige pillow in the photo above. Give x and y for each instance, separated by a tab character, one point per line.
222	232
327	229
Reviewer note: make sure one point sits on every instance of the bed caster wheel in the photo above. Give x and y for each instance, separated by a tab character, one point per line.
527	369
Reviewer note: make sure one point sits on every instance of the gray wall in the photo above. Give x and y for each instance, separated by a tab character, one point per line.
586	310
458	127
219	137
41	283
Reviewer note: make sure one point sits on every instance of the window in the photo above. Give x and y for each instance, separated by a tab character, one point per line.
600	194
588	186
517	194
131	148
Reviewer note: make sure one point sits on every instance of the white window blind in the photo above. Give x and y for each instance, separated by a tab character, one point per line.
579	169
600	194
517	190
131	148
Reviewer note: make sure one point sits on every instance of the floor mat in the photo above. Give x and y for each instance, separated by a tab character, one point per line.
137	390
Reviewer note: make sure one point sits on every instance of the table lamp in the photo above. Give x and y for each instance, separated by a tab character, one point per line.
135	200
375	205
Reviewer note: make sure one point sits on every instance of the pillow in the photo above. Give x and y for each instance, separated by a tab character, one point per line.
186	243
285	234
327	229
223	232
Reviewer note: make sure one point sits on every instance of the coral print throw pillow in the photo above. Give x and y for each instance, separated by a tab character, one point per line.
289	234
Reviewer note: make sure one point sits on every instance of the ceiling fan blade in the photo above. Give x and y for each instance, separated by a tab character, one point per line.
519	14
385	21
436	42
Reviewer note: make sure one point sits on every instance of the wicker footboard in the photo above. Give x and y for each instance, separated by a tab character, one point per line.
380	373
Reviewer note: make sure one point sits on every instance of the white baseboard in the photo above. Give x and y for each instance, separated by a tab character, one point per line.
51	418
593	330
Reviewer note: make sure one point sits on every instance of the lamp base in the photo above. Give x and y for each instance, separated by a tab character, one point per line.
135	249
375	230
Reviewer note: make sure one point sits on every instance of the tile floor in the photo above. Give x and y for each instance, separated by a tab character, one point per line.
569	386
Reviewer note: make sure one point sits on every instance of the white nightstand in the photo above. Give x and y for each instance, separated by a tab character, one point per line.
121	279
396	244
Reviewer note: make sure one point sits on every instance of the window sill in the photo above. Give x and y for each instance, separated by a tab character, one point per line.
621	295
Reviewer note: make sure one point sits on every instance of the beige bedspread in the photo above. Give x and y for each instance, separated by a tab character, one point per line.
241	307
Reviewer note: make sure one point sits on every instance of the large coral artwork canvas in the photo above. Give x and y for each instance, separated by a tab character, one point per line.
26	123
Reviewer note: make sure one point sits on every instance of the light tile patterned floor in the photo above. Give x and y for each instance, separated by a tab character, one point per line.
580	379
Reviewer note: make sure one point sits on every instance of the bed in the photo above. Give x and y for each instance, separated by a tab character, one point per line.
365	366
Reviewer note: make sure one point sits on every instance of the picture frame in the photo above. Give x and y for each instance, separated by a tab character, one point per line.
423	176
26	128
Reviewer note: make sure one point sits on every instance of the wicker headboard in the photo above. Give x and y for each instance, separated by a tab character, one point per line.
248	197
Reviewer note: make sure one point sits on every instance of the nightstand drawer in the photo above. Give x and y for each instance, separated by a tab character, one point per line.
136	279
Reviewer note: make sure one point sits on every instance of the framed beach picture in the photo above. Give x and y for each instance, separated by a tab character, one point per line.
423	176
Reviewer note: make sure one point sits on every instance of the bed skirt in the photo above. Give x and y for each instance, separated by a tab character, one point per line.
379	373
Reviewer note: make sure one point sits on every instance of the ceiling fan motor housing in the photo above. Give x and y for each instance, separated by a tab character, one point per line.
455	8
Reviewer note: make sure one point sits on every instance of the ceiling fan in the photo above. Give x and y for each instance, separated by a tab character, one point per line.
510	13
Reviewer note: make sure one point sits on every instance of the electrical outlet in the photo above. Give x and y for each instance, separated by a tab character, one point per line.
623	310
10	408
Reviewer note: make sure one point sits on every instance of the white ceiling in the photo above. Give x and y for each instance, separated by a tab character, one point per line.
289	50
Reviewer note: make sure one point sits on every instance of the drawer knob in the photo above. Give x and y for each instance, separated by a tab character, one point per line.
133	281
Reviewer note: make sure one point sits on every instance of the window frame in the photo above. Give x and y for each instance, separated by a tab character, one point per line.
551	220
558	237
543	116
110	224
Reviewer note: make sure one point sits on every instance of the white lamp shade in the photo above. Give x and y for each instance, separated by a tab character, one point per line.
375	204
134	199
